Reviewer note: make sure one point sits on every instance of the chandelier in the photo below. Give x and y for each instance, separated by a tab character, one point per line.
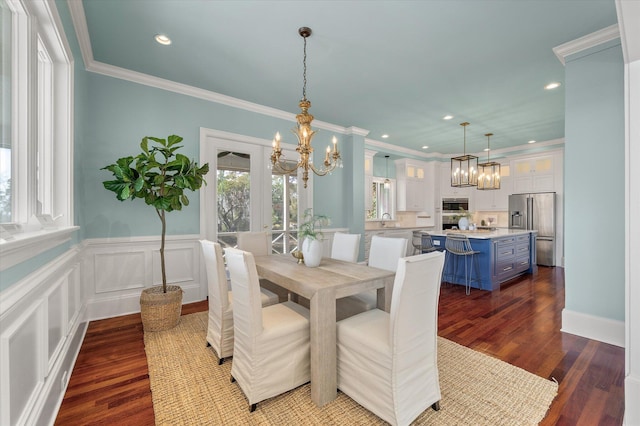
464	169
304	134
489	172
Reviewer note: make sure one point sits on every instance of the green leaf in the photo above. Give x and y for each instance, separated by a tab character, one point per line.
124	194
114	185
184	200
174	139
162	142
145	145
162	203
139	184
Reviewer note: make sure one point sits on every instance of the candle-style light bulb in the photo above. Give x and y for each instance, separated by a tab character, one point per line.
335	144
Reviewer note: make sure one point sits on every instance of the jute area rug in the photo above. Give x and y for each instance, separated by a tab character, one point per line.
190	388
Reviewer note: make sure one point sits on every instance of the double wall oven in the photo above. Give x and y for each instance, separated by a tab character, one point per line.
450	209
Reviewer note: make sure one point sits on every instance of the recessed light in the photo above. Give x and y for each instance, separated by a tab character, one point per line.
552	86
532	141
385	136
163	39
447	117
425	147
486	149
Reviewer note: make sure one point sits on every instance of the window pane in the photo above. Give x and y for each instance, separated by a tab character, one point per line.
284	211
5	112
233	184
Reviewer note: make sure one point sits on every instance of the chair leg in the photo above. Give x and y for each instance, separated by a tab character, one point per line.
233	379
252	408
436	406
220	361
208	344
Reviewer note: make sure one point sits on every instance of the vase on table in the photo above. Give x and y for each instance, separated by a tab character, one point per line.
463	224
312	252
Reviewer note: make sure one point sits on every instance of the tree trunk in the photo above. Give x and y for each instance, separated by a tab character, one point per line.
164	229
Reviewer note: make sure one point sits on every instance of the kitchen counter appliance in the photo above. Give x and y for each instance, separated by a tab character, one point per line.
536	211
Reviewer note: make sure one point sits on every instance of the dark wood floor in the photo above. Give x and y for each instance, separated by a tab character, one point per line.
519	324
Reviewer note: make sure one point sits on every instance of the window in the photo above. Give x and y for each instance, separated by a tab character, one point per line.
36	145
36	161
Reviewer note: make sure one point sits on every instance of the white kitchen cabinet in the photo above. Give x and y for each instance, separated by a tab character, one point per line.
415	186
368	178
534	174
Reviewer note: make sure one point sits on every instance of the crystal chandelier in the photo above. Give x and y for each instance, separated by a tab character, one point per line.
304	134
489	172
464	169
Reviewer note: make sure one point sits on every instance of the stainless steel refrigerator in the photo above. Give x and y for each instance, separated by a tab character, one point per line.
536	211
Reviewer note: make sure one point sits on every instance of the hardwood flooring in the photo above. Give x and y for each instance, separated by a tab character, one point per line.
519	324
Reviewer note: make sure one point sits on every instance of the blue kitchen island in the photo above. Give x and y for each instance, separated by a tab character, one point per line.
504	254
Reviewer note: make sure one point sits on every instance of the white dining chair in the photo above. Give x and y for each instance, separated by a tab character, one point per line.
384	254
271	353
220	322
259	243
388	362
345	247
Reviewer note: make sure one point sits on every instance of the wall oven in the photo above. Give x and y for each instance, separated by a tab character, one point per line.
450	209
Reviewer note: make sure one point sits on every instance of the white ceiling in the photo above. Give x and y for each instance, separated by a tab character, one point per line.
394	67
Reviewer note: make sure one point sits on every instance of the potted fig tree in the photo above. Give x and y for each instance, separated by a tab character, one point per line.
159	175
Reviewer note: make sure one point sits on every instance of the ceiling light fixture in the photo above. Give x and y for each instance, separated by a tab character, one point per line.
162	39
385	136
464	169
489	172
425	147
304	134
387	182
532	141
552	86
447	117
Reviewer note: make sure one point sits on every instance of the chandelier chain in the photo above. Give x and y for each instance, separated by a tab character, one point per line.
304	71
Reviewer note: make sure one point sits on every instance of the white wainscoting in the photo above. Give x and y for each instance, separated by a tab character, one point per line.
41	331
116	270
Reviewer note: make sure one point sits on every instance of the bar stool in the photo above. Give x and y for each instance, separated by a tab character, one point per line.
416	242
459	246
426	242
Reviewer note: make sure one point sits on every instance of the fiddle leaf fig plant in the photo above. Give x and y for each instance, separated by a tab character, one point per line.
159	175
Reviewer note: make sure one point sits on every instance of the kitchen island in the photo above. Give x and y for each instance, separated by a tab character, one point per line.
503	254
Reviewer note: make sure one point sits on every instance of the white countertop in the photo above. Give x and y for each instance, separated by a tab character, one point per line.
483	233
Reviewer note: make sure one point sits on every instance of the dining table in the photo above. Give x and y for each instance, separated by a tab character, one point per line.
322	285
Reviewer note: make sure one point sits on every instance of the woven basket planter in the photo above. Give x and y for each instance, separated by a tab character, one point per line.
160	311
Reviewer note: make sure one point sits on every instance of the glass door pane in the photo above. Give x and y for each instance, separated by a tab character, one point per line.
233	179
284	211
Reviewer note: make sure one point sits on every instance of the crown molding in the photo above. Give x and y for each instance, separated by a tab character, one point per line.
586	42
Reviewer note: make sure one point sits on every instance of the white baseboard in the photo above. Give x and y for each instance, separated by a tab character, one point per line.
117	305
596	328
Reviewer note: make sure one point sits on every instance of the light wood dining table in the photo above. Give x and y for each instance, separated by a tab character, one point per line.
322	285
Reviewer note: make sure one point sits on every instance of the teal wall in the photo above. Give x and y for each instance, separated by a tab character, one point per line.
594	183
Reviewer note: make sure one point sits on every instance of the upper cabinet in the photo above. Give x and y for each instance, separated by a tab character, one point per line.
533	174
368	179
415	186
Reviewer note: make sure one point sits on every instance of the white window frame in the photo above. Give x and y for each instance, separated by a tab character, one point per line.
49	157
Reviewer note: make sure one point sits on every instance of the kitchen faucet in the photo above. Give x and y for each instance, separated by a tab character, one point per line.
383	215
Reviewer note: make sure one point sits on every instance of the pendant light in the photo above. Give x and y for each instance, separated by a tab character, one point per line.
464	169
387	182
304	133
489	172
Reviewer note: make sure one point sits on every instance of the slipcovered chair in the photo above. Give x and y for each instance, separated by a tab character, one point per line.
345	247
271	352
259	243
388	362
220	324
384	254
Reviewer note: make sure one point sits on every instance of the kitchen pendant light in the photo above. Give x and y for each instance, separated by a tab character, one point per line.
489	172
464	169
387	182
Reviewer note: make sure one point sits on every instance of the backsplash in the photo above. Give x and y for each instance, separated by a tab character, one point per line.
501	219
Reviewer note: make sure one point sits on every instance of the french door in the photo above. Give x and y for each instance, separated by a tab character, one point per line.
244	194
